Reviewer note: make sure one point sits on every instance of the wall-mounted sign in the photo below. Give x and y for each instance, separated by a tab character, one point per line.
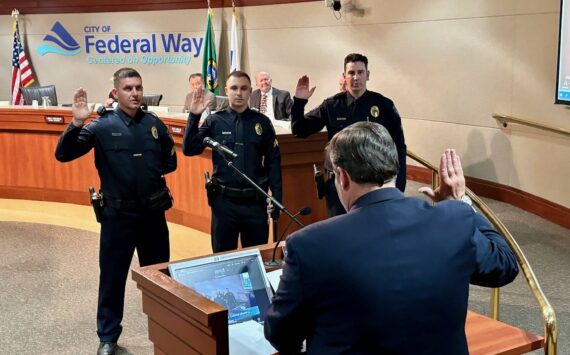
102	46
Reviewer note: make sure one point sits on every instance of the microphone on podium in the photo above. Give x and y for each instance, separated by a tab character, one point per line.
220	148
302	212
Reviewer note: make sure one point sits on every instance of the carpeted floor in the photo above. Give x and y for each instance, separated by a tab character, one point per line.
48	297
49	277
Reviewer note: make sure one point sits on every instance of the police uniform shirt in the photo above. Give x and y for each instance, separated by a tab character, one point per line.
250	135
131	153
342	110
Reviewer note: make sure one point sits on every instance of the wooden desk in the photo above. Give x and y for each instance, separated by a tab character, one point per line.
29	170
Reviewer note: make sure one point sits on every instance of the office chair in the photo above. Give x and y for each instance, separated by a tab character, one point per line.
151	100
37	92
222	102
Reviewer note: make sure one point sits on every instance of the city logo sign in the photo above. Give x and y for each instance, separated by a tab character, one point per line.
59	41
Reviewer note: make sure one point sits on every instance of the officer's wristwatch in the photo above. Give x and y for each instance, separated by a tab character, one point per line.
466	199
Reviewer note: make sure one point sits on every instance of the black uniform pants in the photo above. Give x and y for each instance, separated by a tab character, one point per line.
232	218
121	233
334	206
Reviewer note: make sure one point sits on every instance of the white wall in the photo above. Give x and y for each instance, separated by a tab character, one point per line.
447	64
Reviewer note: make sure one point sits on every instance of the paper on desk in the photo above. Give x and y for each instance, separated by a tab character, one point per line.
247	339
274	277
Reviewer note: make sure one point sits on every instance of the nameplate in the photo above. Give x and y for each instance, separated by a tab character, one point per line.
54	119
176	131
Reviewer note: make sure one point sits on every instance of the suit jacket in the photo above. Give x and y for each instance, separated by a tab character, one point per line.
209	99
389	277
282	103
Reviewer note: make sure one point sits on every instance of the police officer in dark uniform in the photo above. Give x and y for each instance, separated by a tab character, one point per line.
342	110
133	151
237	208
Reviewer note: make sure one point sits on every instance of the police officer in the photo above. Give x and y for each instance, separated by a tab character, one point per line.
237	208
133	151
342	110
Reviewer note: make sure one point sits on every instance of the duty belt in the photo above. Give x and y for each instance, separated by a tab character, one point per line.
123	204
239	194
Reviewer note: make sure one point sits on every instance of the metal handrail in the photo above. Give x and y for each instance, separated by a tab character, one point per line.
548	314
505	119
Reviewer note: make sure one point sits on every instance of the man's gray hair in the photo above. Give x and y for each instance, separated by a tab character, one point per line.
366	151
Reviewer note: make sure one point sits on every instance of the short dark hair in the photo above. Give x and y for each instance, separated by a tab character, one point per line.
356	57
124	73
194	75
366	151
239	74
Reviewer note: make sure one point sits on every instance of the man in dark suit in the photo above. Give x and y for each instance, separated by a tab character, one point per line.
272	102
392	275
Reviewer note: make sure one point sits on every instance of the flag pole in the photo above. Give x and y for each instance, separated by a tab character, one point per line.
15	14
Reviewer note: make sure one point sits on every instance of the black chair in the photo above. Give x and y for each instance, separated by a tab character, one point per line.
222	102
37	92
151	100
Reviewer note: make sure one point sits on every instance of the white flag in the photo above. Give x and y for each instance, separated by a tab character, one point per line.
234	44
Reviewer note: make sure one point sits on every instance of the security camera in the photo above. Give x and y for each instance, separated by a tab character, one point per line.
333	4
336	5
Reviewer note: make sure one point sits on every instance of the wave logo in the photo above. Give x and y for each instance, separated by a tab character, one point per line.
61	42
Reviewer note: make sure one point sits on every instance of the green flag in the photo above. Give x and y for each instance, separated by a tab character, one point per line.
209	61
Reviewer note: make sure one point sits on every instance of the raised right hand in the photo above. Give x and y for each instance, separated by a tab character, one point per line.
198	104
451	179
302	91
80	109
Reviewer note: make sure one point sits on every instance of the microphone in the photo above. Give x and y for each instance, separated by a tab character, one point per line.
220	148
303	212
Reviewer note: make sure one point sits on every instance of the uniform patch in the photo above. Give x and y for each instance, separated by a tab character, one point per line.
173	151
275	143
374	111
154	132
258	129
341	118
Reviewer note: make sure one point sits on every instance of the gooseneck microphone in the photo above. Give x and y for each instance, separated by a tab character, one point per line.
303	212
220	148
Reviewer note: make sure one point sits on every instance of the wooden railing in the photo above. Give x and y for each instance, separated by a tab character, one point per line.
548	315
504	120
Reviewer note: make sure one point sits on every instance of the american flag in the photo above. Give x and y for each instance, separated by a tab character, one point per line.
21	69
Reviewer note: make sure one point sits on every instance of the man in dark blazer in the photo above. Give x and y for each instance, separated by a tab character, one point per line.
392	275
278	102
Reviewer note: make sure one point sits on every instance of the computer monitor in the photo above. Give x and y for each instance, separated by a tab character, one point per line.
236	281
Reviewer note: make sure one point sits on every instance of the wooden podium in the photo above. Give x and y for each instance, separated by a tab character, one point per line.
181	321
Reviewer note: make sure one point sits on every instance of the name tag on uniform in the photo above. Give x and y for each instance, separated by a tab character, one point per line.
116	134
226	132
137	155
341	118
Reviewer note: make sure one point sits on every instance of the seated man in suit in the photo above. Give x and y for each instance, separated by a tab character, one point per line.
391	276
342	83
197	84
272	102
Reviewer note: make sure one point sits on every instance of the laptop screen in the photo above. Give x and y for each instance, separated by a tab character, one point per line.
235	281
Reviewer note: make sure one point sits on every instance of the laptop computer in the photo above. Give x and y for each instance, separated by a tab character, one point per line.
236	281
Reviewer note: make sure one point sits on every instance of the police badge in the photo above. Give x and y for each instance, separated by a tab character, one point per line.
154	132
374	111
258	129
